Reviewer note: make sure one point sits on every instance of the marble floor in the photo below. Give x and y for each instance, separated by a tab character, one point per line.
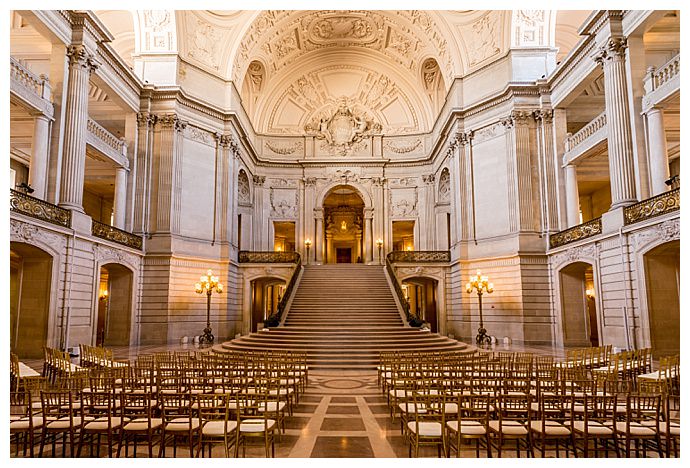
341	415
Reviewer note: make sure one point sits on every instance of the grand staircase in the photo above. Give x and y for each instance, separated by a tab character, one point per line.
343	316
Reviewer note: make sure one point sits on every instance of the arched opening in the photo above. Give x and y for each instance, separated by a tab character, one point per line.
266	294
30	287
403	235
578	305
284	236
662	280
113	320
343	210
421	294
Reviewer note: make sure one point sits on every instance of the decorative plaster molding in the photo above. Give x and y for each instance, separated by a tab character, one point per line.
581	253
30	234
284	150
402	148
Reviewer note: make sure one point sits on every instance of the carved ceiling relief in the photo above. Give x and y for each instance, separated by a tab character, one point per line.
482	38
158	31
529	28
284	201
368	95
205	43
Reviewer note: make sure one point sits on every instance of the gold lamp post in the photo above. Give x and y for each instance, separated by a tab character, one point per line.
206	285
481	284
307	244
379	244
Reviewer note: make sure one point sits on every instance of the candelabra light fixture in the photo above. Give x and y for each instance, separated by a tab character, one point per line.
379	244
589	293
480	284
307	244
208	284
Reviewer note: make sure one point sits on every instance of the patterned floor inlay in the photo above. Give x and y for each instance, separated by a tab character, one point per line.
343	424
342	447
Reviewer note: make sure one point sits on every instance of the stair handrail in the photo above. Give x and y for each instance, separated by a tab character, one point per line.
412	319
274	319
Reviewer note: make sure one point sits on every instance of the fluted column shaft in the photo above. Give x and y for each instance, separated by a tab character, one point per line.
621	162
572	196
38	169
120	198
319	236
81	65
658	150
368	234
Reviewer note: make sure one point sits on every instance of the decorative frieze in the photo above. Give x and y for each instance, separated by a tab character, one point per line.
667	231
30	234
284	149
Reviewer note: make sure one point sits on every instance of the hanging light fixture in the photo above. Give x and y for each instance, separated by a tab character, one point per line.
343	225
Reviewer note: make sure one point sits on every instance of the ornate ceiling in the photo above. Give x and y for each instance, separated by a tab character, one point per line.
293	68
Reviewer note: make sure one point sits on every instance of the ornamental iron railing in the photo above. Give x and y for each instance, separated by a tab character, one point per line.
39	209
273	320
576	233
412	319
114	234
419	256
652	207
247	256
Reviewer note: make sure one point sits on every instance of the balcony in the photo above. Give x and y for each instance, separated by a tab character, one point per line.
586	138
581	231
656	206
660	83
33	90
39	209
419	256
104	231
246	256
106	143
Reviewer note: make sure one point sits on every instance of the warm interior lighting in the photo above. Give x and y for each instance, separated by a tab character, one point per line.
343	225
279	249
409	248
208	283
307	242
103	294
590	293
379	243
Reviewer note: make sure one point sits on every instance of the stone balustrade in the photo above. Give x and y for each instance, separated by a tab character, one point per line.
657	77
598	123
117	144
37	84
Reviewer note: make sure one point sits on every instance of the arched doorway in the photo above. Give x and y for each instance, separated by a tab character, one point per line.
343	210
578	305
421	294
662	280
266	294
30	289
113	320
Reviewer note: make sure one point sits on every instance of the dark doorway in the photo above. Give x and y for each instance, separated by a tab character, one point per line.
343	255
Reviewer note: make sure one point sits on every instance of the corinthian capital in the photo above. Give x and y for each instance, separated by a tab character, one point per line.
614	48
543	114
79	56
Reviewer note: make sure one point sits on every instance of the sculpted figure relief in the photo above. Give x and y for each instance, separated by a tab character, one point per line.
343	128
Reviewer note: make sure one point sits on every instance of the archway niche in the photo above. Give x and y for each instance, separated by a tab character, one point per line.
113	320
403	235
284	236
343	209
30	287
266	294
422	295
662	280
578	305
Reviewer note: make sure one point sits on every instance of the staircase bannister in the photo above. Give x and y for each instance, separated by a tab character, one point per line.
419	256
273	320
412	319
268	256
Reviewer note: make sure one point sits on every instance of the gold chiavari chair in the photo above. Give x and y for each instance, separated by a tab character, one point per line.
253	423
471	423
138	408
25	421
101	413
178	420
512	423
551	422
215	423
59	419
596	425
428	426
669	428
641	423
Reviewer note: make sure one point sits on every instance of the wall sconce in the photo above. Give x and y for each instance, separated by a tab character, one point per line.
103	295
589	293
279	249
409	248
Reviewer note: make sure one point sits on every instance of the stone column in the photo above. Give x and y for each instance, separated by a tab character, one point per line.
81	65
368	233
658	151
40	145
358	246
260	233
319	236
572	197
120	198
142	196
621	163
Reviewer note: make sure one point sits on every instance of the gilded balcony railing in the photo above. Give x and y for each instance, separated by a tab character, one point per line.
246	256
39	209
576	233
419	256
104	231
651	207
585	132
